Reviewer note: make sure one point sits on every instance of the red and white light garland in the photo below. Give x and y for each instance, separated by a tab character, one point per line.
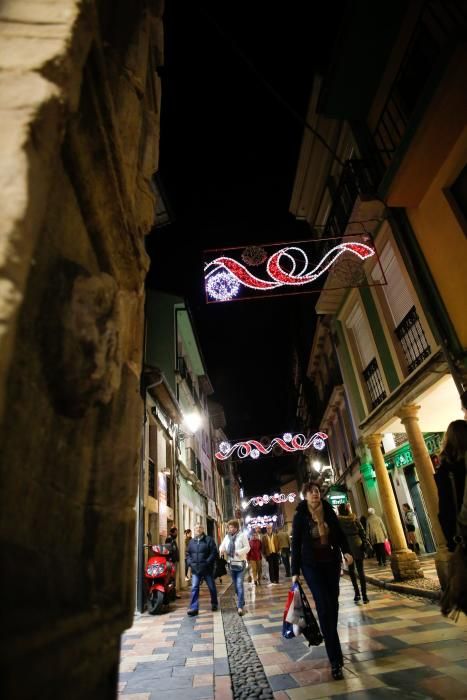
260	520
276	498
224	275
254	448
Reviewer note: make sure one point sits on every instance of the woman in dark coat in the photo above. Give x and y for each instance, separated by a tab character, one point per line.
355	535
317	543
450	478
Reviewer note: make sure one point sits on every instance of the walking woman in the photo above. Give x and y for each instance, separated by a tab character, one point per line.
235	544
355	535
377	535
450	478
317	543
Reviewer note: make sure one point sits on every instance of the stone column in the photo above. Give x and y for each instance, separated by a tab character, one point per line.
409	418
404	563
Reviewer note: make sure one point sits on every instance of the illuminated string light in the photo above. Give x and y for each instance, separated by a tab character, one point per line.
224	275
287	437
276	498
253	448
261	521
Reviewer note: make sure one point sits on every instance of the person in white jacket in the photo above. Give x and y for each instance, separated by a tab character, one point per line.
236	546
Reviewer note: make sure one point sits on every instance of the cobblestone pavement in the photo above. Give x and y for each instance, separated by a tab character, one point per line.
397	646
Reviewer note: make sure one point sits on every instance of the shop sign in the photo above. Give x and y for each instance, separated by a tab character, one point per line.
212	509
337	499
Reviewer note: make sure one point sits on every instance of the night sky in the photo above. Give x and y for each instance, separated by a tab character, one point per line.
229	151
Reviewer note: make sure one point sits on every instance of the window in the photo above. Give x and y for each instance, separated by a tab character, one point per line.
358	324
397	293
152	479
400	302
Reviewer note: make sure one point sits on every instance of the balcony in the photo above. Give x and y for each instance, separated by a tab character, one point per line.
357	180
438	26
374	383
413	340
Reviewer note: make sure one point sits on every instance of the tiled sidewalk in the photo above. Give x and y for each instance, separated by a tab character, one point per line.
394	646
428	586
174	656
397	646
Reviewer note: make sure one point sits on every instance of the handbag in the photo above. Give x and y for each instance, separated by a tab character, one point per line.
237	566
311	631
387	547
220	568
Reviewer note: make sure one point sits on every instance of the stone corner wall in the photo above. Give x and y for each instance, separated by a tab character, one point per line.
80	105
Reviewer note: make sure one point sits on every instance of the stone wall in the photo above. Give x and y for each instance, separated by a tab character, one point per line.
79	102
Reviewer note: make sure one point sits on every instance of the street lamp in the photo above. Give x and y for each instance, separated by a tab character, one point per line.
192	421
316	464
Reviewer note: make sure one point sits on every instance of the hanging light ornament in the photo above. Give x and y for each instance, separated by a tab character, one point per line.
276	498
254	448
222	286
254	255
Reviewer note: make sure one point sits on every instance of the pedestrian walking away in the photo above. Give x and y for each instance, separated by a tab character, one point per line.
284	544
171	542
409	521
377	534
317	545
201	556
271	551
254	557
355	535
236	546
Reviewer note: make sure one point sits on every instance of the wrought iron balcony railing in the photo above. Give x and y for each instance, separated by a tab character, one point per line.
357	179
412	339
374	383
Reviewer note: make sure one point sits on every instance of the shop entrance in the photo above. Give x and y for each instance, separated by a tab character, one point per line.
419	507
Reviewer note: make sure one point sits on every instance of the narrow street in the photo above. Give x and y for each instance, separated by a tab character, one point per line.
397	645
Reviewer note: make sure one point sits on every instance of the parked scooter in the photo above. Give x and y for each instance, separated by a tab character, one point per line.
159	578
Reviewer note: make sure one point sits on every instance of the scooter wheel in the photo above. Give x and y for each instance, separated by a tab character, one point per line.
155	602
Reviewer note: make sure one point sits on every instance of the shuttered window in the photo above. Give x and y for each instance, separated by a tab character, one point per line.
358	324
398	295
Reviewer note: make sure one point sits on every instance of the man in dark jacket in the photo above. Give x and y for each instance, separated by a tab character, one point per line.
201	557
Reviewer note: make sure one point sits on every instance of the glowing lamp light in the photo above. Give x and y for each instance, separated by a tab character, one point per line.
248	518
316	465
302	497
244	505
192	421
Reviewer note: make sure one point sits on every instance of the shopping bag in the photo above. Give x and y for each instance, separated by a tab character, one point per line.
387	547
287	627
311	631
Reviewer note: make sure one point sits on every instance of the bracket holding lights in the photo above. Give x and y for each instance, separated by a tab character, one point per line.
254	448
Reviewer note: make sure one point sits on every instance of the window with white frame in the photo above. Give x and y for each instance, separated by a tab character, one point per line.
358	326
402	309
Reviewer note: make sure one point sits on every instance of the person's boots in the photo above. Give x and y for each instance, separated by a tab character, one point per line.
357	593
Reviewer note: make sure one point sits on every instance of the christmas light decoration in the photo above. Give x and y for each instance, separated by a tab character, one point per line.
287	437
276	498
253	448
288	266
261	521
222	286
254	255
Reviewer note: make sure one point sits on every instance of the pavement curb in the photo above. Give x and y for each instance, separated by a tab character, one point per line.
401	588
